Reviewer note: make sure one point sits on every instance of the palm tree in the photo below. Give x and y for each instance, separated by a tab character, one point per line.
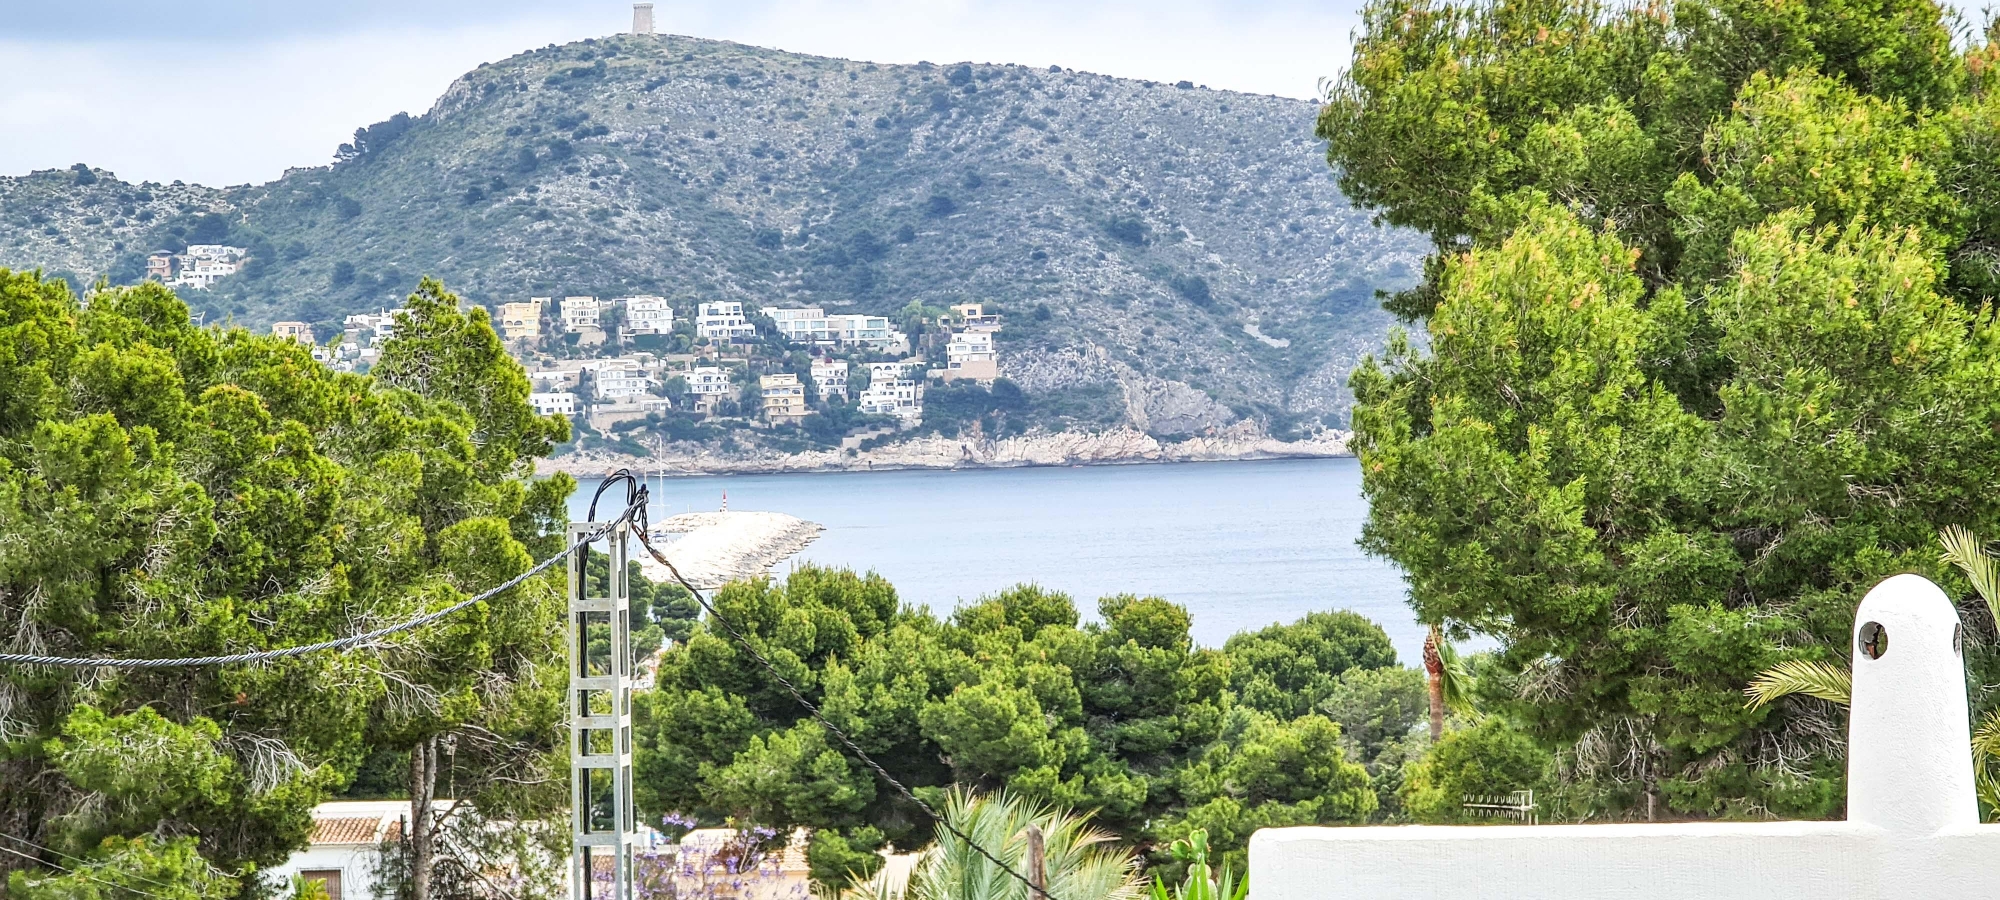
1449	683
1834	683
1083	862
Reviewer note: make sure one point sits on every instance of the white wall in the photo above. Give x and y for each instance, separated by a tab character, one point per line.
1912	830
357	863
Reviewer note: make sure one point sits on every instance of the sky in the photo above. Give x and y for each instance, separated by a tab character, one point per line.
224	92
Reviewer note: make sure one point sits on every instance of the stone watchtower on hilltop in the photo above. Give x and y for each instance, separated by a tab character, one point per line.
642	18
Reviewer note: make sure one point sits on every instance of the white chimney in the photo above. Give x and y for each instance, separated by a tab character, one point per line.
642	18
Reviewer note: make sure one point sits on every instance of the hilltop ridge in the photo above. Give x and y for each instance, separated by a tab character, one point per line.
1177	254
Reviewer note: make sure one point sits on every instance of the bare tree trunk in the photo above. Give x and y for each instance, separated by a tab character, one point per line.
1038	865
423	782
1434	680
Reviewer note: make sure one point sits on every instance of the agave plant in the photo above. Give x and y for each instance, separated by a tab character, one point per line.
1083	862
1201	883
1834	683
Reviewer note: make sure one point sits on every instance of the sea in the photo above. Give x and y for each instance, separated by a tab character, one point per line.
1241	545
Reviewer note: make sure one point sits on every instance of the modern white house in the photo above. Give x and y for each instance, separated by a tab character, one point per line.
830	376
970	355
723	321
801	325
548	403
855	330
893	389
200	266
648	315
580	314
344	851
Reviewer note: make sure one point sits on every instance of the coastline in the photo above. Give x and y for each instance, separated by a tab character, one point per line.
1117	447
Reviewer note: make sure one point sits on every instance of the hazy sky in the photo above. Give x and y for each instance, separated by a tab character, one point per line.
233	91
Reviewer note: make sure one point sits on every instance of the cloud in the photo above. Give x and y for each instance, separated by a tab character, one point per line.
234	91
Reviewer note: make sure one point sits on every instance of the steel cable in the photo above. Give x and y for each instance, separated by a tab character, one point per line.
736	634
29	659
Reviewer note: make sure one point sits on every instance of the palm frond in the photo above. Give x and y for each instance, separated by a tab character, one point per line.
1797	676
1083	862
1965	550
1457	683
1985	756
1986	739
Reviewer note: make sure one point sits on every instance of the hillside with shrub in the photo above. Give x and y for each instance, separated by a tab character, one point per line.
1179	256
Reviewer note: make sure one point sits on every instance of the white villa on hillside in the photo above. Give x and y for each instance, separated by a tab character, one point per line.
830	376
648	315
894	390
970	355
549	403
723	321
708	384
804	325
580	314
623	379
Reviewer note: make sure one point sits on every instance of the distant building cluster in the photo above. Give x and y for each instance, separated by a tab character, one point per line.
583	361
200	266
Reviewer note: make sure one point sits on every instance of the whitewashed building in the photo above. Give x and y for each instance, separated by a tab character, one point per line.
623	379
894	390
708	384
648	315
344	850
580	314
830	376
548	403
723	321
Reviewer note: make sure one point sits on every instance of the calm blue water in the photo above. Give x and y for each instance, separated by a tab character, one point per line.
1240	544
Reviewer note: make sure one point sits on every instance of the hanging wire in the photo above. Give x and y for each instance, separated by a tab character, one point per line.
29	659
78	872
812	709
634	512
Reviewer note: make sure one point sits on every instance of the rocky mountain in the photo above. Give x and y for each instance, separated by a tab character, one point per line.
1178	253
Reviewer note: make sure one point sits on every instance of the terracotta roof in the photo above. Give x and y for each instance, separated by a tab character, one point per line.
347	830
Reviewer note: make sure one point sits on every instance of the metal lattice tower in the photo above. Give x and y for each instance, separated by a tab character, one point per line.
603	828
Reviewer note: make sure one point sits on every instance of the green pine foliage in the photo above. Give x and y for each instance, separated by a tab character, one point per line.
173	490
1125	716
1710	354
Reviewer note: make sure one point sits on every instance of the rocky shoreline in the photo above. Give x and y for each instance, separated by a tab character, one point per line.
1117	447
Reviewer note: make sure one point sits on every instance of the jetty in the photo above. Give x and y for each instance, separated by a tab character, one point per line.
712	549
